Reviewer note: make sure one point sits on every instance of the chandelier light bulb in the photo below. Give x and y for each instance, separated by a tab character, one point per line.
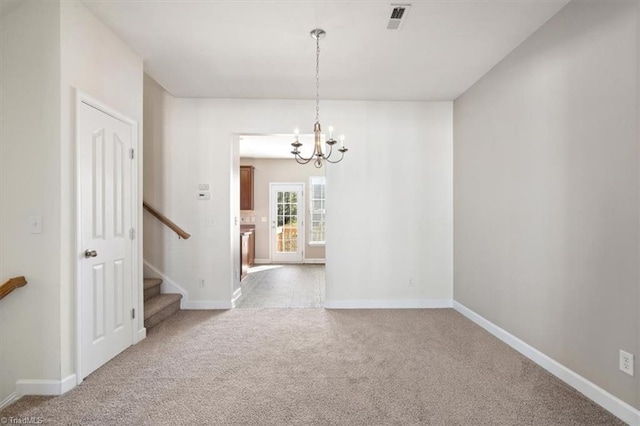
330	132
342	141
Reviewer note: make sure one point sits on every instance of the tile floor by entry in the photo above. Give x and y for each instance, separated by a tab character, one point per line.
283	286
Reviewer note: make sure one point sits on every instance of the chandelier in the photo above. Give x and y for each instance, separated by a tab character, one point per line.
318	155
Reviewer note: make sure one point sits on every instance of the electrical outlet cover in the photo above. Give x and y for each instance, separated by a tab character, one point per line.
35	222
626	362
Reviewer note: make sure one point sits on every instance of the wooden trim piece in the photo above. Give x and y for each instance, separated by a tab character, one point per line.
162	218
11	285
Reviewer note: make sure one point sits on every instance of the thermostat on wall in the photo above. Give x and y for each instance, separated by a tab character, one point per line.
204	195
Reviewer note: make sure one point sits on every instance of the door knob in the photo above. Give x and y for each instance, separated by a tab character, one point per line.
90	253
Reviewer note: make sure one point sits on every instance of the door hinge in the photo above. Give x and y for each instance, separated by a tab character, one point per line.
131	153
132	233
133	313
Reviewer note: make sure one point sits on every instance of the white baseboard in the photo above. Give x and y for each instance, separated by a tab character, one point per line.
304	261
236	295
592	391
9	400
45	387
389	304
206	305
142	334
68	383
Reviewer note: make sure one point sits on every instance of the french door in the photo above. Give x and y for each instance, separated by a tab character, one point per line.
286	202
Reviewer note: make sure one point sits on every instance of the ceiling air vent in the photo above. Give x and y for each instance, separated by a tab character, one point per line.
398	16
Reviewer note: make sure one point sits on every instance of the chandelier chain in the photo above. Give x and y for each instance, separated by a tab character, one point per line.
317	79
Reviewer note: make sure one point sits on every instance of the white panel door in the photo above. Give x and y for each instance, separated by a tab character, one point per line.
287	226
106	247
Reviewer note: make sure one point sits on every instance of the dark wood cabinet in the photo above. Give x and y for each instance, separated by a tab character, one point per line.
252	248
246	187
247	251
244	254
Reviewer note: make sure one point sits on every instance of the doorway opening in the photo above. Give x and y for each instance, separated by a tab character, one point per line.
281	210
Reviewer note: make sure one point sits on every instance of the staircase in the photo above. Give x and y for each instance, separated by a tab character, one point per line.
158	306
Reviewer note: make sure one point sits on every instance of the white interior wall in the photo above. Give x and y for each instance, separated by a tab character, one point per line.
637	319
97	62
390	214
389	220
29	185
48	50
157	107
546	192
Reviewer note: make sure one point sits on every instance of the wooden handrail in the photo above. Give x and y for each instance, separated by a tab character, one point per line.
11	285
162	218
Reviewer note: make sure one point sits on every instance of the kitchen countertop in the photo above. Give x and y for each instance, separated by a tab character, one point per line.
247	228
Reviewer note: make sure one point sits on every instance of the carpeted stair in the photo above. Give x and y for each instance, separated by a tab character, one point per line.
158	306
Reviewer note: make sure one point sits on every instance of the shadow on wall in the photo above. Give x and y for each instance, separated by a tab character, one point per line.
154	172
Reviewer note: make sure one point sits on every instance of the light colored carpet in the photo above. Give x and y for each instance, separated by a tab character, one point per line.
283	286
315	366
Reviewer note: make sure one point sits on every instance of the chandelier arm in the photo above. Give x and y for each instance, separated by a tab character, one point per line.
326	157
297	155
304	160
337	161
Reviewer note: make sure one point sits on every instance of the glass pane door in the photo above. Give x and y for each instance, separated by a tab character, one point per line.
287	236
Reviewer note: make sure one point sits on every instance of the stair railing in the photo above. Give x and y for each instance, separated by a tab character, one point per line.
12	284
162	218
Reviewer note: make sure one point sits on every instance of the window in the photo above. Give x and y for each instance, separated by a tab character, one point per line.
317	209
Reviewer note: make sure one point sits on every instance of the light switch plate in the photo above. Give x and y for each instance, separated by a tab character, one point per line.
203	187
